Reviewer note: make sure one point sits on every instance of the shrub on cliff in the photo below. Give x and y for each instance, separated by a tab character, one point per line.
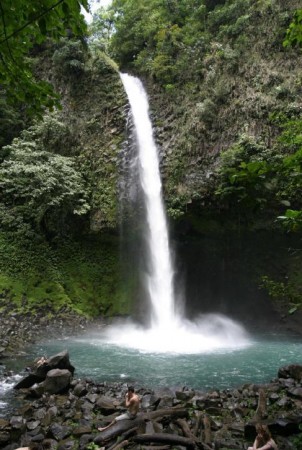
39	189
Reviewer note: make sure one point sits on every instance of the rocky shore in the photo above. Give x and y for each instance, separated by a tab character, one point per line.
60	412
63	413
21	327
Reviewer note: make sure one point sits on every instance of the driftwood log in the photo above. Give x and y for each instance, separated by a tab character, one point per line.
119	445
164	438
124	437
119	428
173	413
207	429
188	433
261	412
186	429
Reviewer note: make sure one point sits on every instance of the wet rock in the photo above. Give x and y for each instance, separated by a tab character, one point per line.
149	401
4	437
296	392
17	422
57	380
107	405
68	444
286	427
59	432
184	396
31	425
291	371
80	390
38	438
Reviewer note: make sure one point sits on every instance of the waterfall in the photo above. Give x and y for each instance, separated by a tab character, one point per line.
169	331
160	279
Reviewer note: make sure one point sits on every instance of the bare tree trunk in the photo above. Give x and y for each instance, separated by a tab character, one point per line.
261	411
173	412
165	438
198	423
207	430
120	445
183	424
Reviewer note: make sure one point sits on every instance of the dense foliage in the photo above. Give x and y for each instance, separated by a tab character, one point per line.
294	32
222	76
168	40
39	189
24	26
254	178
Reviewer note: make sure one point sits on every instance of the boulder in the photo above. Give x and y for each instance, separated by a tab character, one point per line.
43	366
106	405
291	371
57	381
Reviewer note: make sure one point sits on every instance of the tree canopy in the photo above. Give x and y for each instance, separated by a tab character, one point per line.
24	25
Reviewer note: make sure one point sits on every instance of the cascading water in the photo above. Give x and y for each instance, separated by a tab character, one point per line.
169	331
160	279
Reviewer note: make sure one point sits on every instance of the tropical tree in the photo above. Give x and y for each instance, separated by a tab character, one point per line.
24	25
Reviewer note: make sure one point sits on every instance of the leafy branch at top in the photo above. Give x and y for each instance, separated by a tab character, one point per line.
24	25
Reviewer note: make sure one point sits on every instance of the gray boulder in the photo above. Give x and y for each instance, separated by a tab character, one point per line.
57	380
291	371
42	367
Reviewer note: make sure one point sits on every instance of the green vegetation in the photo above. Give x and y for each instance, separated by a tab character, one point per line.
23	27
294	32
253	178
39	189
224	81
82	273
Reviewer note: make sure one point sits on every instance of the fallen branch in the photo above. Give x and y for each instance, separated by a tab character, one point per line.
156	447
119	445
187	432
207	429
198	423
173	412
164	438
124	437
122	427
183	424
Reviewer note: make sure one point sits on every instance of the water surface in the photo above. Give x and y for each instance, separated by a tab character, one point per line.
101	361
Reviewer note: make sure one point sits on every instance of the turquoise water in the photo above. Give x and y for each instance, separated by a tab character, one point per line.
256	363
93	358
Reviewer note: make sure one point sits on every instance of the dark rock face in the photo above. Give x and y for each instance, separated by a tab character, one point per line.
225	419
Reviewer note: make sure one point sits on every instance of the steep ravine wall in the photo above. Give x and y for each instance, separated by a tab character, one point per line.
244	79
81	267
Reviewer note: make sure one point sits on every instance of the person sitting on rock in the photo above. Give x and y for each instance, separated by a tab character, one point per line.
132	403
264	440
40	361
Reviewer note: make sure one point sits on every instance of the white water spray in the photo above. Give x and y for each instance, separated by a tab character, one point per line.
169	332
